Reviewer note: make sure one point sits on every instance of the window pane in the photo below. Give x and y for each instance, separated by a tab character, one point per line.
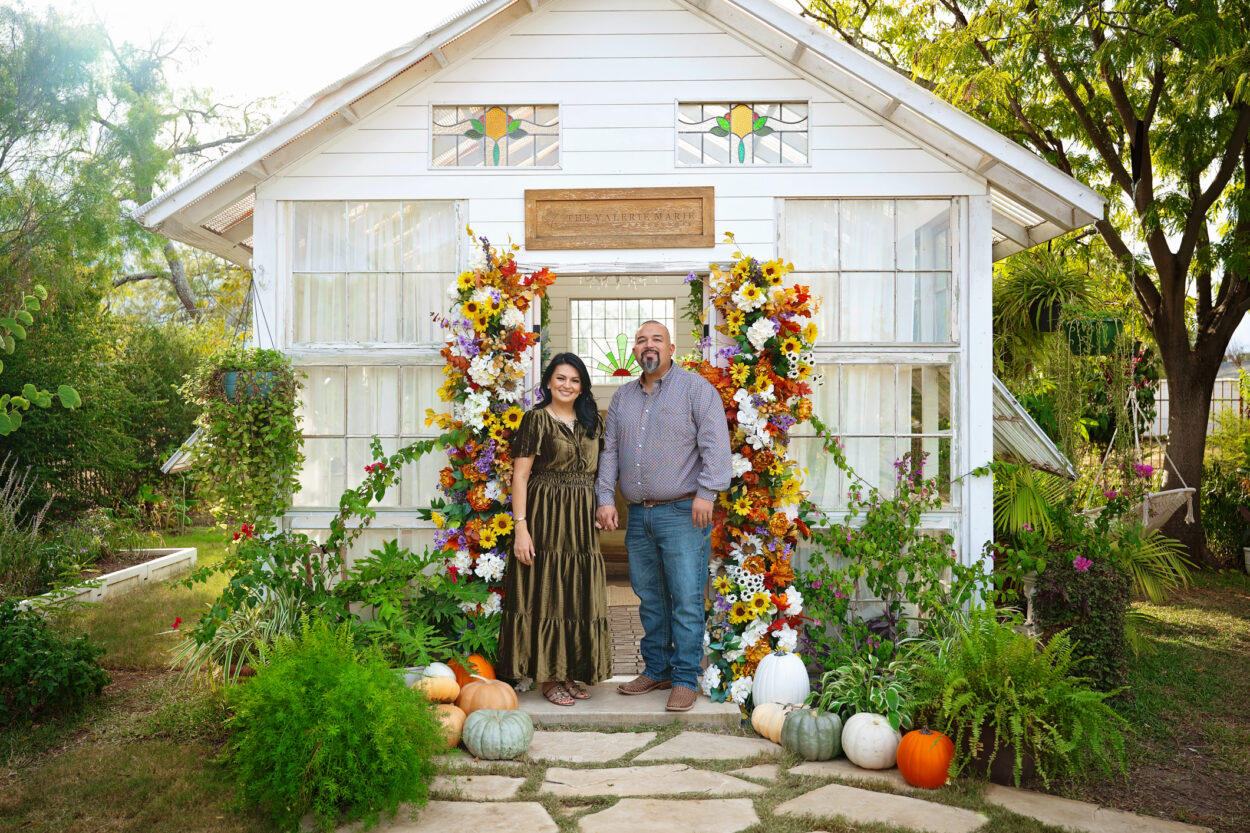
810	232
319	309
610	326
924	307
359	456
323	398
930	397
318	236
430	236
872	458
868	399
324	475
420	391
420	479
422	294
824	399
937	461
924	234
823	481
373	236
867	234
373	400
866	307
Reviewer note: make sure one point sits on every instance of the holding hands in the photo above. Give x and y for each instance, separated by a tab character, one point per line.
606	518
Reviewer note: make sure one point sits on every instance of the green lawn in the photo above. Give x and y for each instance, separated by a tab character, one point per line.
142	757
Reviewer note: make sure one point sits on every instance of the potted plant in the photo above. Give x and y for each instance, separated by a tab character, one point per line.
1011	708
1036	287
250	449
1092	335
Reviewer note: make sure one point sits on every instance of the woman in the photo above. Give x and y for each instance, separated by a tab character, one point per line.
555	614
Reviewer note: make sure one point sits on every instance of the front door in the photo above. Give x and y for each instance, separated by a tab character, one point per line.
596	316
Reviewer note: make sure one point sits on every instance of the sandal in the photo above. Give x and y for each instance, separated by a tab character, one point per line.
557	694
578	690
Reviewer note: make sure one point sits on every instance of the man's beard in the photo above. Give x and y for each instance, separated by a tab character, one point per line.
650	362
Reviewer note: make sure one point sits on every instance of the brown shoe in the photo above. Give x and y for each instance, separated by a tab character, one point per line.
642	684
681	699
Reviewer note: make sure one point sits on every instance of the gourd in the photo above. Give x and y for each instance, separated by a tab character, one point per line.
780	677
869	741
767	720
481	668
495	735
812	735
452	719
437	689
924	758
439	669
486	694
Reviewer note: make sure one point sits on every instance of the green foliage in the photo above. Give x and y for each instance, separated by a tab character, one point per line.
239	639
42	672
326	730
1226	511
994	683
251	450
867	684
13	326
24	568
1091	605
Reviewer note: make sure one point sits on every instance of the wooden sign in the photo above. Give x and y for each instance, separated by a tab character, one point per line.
620	218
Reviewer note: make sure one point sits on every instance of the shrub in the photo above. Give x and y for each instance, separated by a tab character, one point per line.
1224	495
1091	605
325	729
42	672
24	570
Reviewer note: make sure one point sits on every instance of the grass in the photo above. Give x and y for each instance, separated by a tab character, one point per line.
143	756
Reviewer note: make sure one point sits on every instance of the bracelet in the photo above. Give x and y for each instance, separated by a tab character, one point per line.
518	520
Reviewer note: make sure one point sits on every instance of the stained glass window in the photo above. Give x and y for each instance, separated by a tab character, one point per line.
496	136
741	133
603	333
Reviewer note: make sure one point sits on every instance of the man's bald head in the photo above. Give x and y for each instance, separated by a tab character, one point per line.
654	348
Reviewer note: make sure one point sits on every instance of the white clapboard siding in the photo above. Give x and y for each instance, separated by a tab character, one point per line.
612	45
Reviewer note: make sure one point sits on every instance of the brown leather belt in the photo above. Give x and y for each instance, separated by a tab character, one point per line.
647	504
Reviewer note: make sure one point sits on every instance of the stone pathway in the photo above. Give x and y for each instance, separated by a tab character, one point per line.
626	782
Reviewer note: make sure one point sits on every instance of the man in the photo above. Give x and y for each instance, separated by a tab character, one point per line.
667	442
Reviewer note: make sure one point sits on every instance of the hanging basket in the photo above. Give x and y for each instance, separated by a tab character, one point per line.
1094	336
1045	315
249	384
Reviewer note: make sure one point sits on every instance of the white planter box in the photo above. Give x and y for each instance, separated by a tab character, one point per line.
170	563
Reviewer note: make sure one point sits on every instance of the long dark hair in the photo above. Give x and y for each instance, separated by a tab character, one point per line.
584	406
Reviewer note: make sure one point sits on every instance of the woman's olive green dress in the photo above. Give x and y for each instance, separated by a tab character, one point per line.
555	611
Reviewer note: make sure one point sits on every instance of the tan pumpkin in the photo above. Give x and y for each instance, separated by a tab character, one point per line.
487	694
767	720
438	689
452	718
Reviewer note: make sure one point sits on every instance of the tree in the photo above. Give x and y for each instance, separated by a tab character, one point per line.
1146	101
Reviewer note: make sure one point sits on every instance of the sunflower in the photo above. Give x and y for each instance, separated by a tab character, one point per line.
809	333
465	281
791	346
470	309
739	374
742	506
496	432
759	603
751	293
735	319
739	614
501	523
805	370
722	584
512	418
488	538
773	271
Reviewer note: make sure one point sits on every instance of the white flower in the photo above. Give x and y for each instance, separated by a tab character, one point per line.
494	489
512	318
741	465
482	370
493	604
711	679
707	641
462	560
453	291
740	690
734	655
760	332
746	303
754	631
794	600
468	607
490	567
787	638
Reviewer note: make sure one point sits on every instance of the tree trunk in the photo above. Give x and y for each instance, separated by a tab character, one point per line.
178	277
1190	382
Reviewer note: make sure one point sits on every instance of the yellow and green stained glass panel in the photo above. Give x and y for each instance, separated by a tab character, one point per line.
496	136
742	133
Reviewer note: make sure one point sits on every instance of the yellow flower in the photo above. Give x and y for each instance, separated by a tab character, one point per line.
791	346
488	538
810	332
501	523
438	519
740	613
742	506
739	373
759	603
805	370
751	292
773	271
496	432
465	281
777	467
470	309
735	318
512	417
722	584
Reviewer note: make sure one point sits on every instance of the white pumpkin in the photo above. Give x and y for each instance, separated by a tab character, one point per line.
780	677
869	741
438	669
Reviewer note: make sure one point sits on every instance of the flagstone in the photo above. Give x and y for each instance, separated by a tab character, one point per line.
662	779
866	806
1079	815
705	746
477	786
651	815
586	747
457	759
480	817
760	772
847	771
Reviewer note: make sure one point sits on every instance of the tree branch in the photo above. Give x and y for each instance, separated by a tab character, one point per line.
1228	166
122	280
225	140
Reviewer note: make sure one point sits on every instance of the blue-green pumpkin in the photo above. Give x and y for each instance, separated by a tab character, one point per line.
495	735
812	735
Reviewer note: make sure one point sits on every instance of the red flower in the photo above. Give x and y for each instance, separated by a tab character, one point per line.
246	531
177	622
508	269
454	572
372	467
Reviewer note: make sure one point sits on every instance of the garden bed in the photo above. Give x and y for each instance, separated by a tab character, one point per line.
127	572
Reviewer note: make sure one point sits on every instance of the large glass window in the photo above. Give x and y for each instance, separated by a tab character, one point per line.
370	272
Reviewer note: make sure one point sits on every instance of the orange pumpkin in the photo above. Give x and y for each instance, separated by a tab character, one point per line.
924	758
437	689
487	694
481	668
452	718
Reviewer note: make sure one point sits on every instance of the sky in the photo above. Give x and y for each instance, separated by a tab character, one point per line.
284	49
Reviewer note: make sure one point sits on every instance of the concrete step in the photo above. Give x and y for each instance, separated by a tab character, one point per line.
607	707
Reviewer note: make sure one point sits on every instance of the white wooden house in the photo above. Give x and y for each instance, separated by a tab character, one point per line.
892	204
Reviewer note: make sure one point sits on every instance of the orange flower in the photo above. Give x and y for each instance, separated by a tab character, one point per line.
446	478
478	499
779	525
782	572
755	564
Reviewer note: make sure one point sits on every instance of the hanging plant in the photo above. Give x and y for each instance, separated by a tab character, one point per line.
250	449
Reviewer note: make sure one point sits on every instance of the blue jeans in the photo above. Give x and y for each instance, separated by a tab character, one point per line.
668	561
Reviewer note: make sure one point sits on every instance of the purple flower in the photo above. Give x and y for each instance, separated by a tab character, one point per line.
722	604
838	594
691	278
817	584
1143	469
1111	494
1081	563
1027	527
729	352
704	343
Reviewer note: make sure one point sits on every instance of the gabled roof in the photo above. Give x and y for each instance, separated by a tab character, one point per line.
1032	200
